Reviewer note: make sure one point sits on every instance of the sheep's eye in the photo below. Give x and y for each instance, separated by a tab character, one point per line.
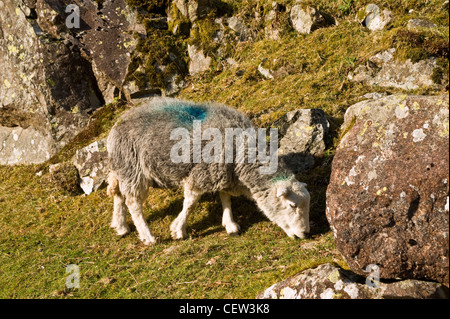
292	205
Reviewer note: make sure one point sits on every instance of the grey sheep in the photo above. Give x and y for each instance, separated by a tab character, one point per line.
140	149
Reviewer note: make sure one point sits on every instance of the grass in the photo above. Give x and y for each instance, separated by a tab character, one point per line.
44	230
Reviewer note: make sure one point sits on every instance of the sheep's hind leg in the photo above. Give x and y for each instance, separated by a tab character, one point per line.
119	222
178	226
227	218
135	207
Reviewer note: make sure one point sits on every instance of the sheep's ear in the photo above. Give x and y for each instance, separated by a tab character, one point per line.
304	184
282	191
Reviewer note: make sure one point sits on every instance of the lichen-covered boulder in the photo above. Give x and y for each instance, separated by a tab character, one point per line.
105	36
47	87
331	282
92	165
387	200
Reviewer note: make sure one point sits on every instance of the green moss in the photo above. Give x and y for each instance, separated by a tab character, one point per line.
149	5
441	71
419	45
416	54
50	82
178	21
157	57
203	32
345	131
65	177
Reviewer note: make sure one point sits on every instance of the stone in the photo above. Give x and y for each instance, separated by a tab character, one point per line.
47	87
305	19
194	9
383	70
303	132
92	165
414	24
267	73
373	18
198	61
388	191
24	145
239	27
332	282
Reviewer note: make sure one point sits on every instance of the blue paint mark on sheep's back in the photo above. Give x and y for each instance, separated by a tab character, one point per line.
185	114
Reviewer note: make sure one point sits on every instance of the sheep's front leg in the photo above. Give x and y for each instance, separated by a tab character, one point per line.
178	226
227	218
135	207
119	222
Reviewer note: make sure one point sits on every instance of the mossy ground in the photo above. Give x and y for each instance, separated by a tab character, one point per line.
43	228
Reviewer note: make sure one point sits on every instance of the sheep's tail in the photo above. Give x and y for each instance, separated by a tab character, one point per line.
113	184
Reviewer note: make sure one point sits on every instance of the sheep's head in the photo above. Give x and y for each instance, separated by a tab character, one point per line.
290	200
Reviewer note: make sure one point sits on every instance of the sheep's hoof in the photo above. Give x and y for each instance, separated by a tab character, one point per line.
233	229
178	234
149	241
122	230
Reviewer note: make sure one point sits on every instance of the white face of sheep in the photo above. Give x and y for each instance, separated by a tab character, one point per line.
292	208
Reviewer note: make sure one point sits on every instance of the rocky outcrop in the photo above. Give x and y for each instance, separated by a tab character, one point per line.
331	282
105	36
47	88
383	70
387	201
303	137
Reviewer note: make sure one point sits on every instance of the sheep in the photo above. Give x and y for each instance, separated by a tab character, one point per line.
140	146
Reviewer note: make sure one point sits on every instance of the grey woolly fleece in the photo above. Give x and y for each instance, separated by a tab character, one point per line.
139	148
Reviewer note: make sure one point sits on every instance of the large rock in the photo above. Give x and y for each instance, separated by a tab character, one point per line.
105	36
383	70
331	282
47	88
303	132
305	19
92	165
387	201
24	145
